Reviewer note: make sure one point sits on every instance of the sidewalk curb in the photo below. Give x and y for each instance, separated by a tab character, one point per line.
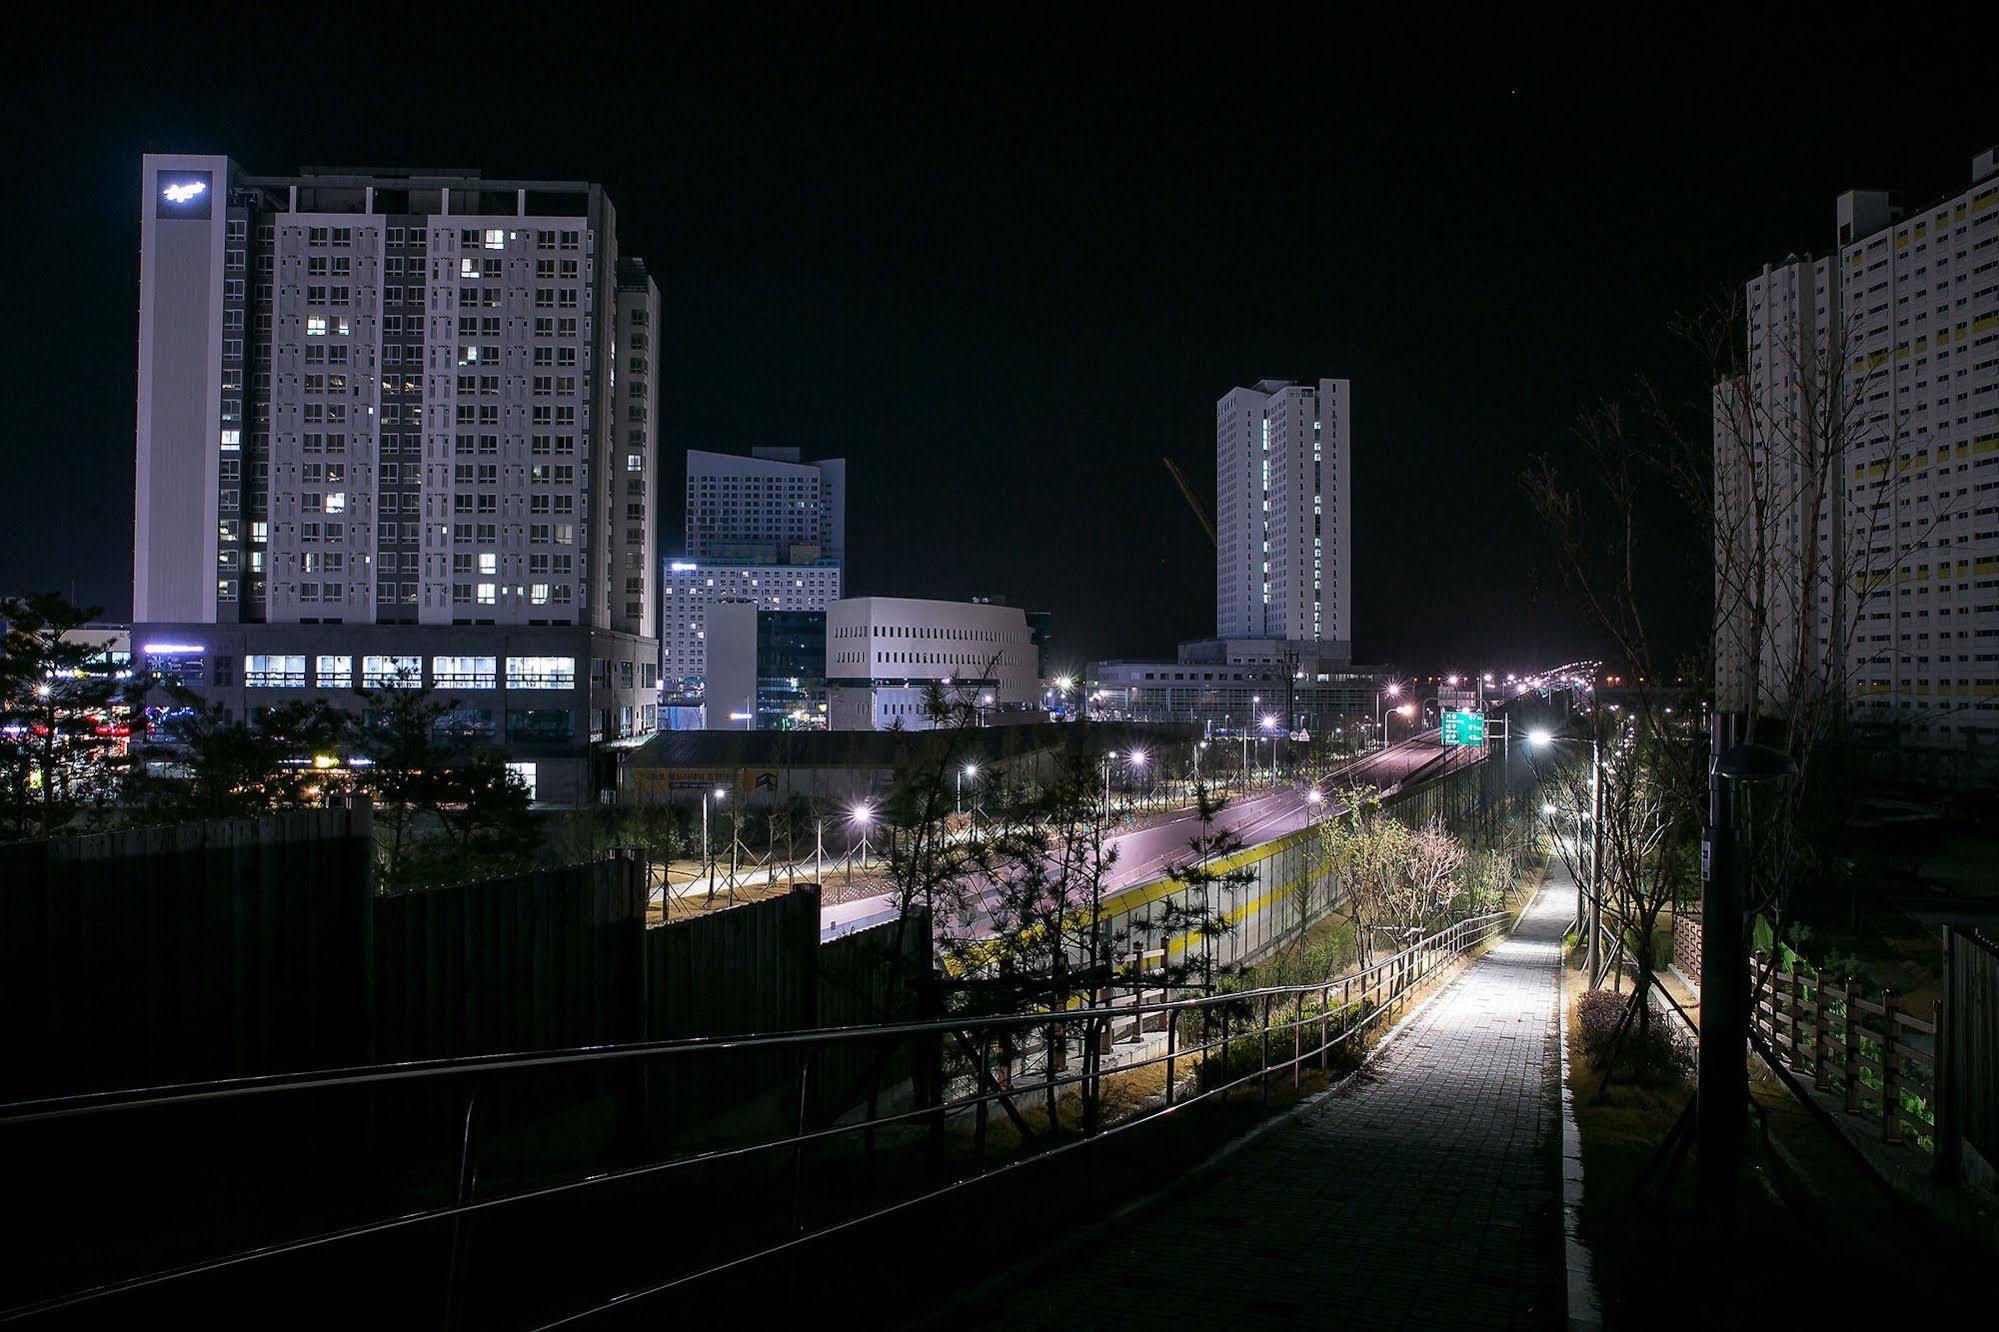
1583	1307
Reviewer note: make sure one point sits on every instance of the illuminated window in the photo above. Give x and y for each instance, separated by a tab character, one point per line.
333	672
269	672
541	672
315	326
488	594
464	672
392	672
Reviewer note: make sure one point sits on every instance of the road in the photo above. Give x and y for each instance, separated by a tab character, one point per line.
1145	854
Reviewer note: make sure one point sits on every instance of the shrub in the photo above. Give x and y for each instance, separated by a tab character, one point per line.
1659	1057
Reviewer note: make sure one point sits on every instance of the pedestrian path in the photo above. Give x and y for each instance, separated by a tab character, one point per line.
1425	1194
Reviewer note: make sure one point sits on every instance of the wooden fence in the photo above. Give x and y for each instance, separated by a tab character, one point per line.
1929	1081
1968	1046
200	950
530	962
1879	1058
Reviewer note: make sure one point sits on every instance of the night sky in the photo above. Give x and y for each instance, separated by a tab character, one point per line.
1004	270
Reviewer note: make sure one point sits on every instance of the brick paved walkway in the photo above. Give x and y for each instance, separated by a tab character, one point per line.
1425	1195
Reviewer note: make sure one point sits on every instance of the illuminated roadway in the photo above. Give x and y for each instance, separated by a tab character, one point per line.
1144	855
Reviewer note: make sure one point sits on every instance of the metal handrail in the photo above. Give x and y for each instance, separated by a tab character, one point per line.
1383	982
361	1075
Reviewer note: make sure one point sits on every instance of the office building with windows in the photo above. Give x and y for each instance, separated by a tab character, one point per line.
767	530
1858	452
399	427
884	654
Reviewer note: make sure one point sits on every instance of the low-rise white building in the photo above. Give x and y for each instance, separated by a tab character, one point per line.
884	653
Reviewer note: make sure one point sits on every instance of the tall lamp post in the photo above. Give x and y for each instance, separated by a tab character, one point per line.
1721	1104
707	857
1392	689
1541	738
1136	760
861	817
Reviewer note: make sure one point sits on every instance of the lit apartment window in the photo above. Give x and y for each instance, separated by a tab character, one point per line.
333	672
269	672
464	672
392	672
541	672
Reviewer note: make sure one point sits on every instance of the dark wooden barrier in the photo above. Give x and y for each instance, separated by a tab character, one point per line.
1968	1049
535	961
195	951
752	968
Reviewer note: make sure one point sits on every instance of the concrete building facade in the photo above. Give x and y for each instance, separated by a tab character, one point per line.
883	654
1868	415
396	415
769	530
1283	463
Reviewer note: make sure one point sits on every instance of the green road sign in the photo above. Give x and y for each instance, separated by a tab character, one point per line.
1464	728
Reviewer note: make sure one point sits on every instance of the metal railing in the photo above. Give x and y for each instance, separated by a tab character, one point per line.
835	1126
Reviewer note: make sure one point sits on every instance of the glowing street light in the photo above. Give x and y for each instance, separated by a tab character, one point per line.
969	770
719	794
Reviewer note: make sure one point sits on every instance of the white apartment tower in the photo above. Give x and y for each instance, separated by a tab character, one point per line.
398	417
1867	422
1282	486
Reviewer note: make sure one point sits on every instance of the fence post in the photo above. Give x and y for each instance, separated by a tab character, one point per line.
1172	1047
1820	1011
983	1108
1758	966
1795	978
1297	1040
1325	1024
1943	1078
1850	1061
1225	1047
1263	1068
1891	1069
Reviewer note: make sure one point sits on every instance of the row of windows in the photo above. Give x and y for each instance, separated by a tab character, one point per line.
270	671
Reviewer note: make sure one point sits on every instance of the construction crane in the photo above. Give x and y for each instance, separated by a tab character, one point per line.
1200	514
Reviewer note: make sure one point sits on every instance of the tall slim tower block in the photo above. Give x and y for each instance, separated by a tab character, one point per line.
1282	476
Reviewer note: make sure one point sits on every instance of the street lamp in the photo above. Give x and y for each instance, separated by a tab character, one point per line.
860	816
707	860
1393	689
1720	1112
1137	759
969	770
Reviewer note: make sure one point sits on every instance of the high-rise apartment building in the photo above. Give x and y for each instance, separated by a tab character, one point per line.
399	427
1282	477
1857	471
768	530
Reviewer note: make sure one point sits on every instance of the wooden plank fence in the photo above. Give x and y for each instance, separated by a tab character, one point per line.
1880	1059
194	951
535	961
1968	1104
